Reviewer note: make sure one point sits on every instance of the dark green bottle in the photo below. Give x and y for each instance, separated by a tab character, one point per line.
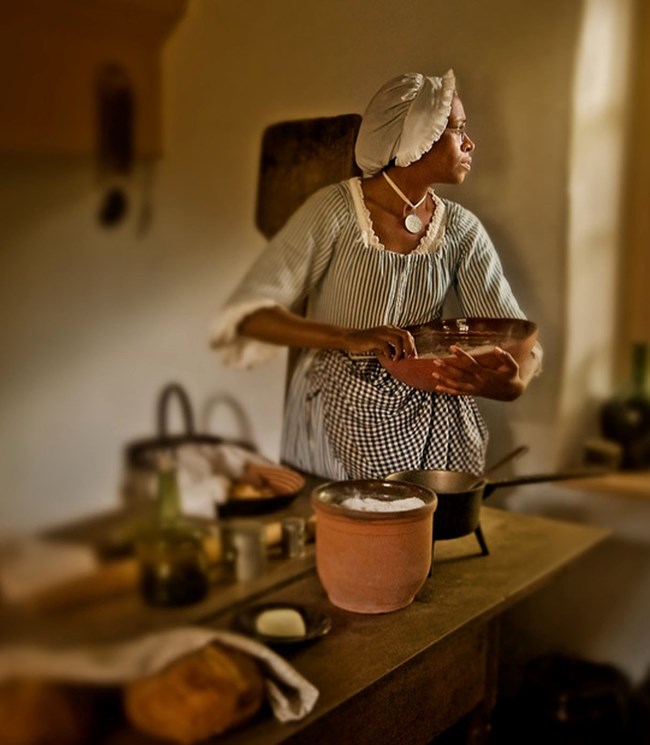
625	418
173	564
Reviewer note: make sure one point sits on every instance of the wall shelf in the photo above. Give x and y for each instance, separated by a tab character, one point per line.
50	55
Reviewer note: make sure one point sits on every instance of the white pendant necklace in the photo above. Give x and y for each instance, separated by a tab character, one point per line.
411	222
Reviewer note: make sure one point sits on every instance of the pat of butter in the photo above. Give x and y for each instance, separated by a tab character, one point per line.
280	622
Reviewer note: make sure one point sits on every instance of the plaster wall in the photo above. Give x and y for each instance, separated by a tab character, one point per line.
96	321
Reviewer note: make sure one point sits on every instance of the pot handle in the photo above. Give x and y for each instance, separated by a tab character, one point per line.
539	478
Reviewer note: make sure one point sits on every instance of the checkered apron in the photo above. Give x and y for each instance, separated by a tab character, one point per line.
376	425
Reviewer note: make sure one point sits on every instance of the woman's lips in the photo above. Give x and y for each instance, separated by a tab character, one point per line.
467	165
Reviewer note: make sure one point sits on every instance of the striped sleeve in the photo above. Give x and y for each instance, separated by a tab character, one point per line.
480	284
287	270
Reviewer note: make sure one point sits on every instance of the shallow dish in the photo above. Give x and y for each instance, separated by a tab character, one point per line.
477	336
317	623
285	484
254	505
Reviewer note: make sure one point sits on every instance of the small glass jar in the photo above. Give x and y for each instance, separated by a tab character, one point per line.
173	568
173	562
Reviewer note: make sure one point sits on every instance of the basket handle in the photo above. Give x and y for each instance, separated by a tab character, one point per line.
177	390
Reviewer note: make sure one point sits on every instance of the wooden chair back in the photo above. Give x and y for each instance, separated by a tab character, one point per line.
298	158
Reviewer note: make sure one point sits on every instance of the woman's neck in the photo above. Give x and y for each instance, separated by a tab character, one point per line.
383	192
408	181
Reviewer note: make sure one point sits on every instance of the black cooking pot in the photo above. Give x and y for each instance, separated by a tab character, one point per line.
460	495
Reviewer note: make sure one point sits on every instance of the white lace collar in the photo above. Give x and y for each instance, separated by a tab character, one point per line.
430	242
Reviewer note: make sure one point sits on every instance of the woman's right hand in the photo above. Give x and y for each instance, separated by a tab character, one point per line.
277	325
389	341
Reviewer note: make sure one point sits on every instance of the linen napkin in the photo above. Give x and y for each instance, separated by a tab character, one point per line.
290	695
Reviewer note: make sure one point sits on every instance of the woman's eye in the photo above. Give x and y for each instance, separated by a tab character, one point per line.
460	132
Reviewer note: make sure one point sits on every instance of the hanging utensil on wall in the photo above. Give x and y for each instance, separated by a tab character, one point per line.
115	141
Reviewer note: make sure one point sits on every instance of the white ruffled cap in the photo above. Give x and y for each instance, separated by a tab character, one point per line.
403	120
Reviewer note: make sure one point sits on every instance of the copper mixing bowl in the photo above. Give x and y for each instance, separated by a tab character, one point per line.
477	336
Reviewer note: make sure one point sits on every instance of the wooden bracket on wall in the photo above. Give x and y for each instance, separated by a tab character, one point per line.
50	56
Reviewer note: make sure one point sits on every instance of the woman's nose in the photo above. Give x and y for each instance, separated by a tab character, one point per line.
468	144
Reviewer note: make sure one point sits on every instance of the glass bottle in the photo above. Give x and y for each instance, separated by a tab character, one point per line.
173	563
625	418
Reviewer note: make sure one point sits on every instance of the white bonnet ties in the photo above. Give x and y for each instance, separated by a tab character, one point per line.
403	120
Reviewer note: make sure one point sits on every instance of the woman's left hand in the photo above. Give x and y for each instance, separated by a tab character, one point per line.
498	378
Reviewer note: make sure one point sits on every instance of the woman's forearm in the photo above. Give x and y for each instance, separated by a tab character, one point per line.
279	326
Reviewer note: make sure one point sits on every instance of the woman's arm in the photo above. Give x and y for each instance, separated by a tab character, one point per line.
279	326
483	290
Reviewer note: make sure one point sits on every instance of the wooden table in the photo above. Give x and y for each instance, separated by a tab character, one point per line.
408	676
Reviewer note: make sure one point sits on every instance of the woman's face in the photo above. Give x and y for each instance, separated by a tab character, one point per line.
450	158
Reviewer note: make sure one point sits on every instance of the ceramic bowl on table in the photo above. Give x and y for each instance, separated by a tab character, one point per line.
476	336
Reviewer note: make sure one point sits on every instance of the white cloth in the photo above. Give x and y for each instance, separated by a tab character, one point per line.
403	120
206	472
205	475
291	695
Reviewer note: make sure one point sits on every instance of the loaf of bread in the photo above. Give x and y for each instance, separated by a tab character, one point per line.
41	712
201	694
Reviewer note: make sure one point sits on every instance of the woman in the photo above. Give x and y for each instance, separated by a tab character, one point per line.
372	256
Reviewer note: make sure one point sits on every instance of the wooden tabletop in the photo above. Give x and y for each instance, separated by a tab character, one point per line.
362	652
466	590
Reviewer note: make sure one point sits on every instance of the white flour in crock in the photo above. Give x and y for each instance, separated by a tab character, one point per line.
369	504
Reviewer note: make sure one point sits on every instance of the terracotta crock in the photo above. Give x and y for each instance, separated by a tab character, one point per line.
372	562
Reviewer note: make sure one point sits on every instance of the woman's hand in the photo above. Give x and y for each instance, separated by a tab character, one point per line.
389	341
499	377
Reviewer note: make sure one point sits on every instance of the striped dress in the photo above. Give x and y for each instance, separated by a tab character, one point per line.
352	419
